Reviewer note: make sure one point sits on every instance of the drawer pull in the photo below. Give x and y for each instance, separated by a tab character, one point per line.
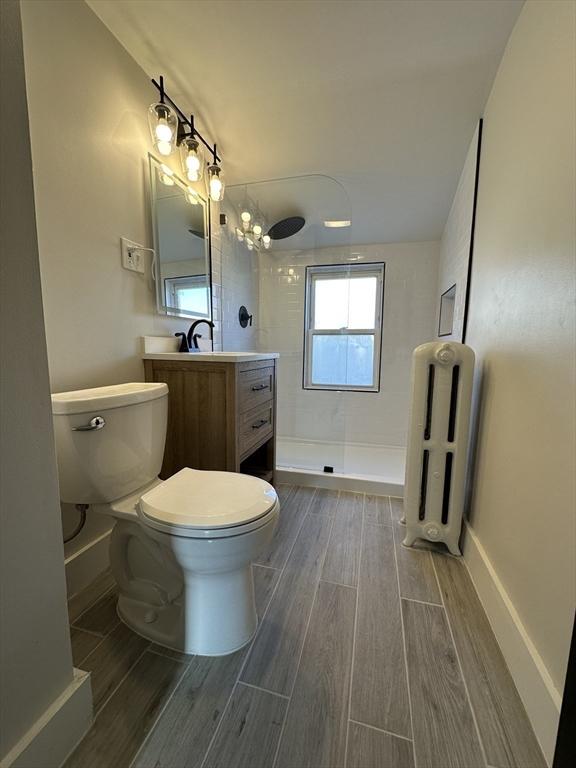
258	387
260	424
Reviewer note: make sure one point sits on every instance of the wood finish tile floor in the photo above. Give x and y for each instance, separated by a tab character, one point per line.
368	655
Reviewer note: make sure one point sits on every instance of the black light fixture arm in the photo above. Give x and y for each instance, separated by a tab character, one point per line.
183	119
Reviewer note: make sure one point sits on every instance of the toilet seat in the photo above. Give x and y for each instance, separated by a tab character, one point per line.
203	504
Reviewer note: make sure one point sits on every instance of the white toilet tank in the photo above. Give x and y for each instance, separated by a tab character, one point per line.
109	440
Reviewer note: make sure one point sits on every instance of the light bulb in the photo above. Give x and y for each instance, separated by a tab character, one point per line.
192	159
216	184
257	229
163	130
164	147
266	239
163	124
165	175
245	216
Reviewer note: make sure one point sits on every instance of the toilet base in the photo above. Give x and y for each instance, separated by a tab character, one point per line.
214	616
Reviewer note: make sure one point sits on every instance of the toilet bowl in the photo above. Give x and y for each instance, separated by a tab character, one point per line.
180	549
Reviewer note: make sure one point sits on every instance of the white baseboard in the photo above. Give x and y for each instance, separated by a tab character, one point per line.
336	481
89	562
540	697
58	731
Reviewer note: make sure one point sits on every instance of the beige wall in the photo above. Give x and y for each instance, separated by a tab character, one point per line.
522	324
88	100
35	656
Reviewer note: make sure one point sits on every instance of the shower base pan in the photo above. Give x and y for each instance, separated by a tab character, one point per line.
360	467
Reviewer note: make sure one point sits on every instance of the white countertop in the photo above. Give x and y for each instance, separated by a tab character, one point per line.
212	357
166	348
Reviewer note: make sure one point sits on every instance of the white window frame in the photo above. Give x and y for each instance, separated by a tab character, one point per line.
313	274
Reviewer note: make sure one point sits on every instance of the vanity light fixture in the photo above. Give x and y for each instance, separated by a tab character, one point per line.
163	123
215	181
191	155
245	217
170	128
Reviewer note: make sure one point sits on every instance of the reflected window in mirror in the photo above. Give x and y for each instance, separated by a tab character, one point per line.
180	218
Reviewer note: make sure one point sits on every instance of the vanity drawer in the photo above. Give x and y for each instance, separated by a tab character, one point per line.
255	427
255	388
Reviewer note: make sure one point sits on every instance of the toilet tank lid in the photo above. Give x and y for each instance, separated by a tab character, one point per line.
104	398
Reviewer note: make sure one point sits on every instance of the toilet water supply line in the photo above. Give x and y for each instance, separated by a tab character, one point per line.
82	509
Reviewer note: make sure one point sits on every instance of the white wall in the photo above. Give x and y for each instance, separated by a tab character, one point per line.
240	283
409	307
88	101
35	656
522	327
455	243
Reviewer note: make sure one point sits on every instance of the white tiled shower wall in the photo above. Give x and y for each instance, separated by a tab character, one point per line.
409	320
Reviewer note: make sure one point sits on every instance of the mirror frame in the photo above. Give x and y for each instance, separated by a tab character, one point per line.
161	308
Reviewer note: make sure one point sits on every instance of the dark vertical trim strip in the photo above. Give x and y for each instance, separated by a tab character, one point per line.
565	753
472	232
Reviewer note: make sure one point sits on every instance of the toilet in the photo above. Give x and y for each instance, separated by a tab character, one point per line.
180	549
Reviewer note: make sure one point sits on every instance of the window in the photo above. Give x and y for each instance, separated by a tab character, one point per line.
188	293
343	327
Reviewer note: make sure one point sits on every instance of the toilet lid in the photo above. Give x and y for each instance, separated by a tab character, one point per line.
208	500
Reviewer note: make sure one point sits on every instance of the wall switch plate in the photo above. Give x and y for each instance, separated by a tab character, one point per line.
131	259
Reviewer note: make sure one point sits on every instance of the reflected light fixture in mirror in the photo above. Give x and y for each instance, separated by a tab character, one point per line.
166	175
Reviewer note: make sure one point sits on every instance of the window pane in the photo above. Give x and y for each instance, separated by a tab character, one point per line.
193	300
343	360
343	302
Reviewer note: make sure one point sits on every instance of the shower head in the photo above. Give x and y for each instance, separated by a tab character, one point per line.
286	227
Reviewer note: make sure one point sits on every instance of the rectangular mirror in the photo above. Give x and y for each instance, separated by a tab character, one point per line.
180	220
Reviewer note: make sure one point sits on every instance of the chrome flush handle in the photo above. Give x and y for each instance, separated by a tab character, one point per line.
96	423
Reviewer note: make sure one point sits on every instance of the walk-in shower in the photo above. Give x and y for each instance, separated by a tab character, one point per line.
345	316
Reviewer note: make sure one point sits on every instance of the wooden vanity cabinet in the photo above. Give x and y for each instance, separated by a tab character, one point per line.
221	415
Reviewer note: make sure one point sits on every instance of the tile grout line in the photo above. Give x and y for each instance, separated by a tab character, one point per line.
113	691
461	669
404	644
88	631
348	719
186	666
421	602
88	607
337	583
249	651
381	730
264	690
316	589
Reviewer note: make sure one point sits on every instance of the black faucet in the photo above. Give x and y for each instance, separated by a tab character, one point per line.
193	337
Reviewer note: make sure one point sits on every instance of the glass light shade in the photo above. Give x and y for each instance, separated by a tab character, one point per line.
192	159
257	229
249	244
245	216
266	239
163	123
239	235
166	175
215	183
